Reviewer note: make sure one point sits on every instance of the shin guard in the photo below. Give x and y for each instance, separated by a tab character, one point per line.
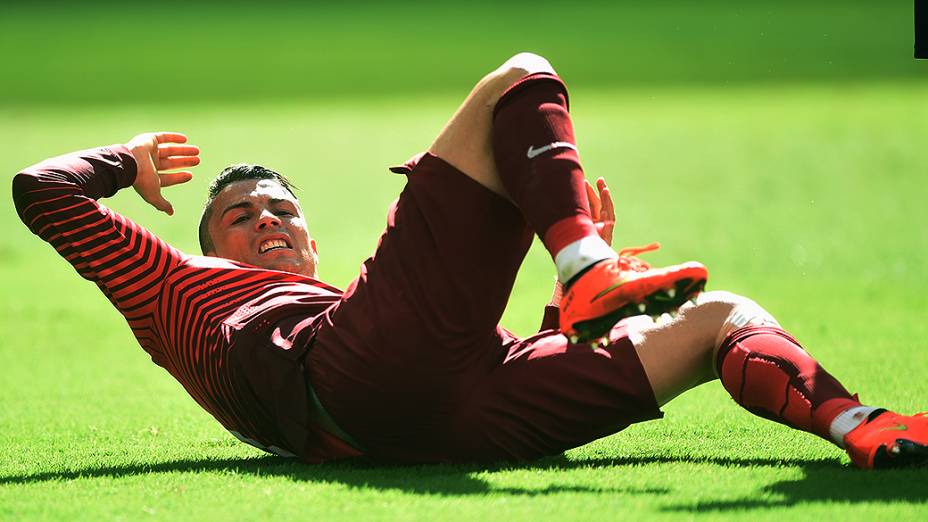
767	372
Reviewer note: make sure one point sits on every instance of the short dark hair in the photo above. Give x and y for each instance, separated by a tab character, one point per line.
229	175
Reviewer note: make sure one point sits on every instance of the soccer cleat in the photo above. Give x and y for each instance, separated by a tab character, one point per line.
614	289
889	440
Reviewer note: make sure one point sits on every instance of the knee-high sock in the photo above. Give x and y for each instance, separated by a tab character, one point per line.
536	155
767	372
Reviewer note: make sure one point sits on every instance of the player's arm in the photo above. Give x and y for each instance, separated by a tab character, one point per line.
57	200
602	209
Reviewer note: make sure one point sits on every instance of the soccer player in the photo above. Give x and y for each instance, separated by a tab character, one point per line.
409	363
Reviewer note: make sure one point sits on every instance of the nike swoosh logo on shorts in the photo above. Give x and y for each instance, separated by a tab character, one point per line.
533	152
279	340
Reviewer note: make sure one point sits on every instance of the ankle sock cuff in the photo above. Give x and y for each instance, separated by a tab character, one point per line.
829	419
583	253
566	231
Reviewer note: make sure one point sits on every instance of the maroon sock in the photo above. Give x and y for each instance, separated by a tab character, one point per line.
767	372
535	153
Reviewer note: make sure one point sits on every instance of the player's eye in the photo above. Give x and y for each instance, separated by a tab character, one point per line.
240	219
283	213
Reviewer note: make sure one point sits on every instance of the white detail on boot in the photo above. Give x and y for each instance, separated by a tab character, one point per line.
580	254
847	421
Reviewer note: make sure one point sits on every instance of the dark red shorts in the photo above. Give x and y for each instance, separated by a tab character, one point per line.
412	362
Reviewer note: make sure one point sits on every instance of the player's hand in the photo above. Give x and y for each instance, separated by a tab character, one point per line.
602	209
155	152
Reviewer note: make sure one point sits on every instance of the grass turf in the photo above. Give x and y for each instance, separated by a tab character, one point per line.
808	199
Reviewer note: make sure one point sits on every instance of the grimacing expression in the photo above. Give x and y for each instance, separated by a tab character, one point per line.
257	221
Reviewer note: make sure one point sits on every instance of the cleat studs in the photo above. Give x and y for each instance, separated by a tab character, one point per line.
642	307
671	293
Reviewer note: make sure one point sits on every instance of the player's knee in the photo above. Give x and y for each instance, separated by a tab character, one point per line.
523	64
730	311
495	84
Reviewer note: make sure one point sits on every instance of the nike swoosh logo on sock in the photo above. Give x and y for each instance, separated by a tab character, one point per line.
533	152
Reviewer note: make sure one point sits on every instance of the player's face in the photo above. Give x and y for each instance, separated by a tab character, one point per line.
260	223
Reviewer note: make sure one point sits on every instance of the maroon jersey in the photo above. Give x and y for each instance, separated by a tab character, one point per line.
232	334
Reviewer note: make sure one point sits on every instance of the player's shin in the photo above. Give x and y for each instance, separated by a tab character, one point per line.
767	372
537	159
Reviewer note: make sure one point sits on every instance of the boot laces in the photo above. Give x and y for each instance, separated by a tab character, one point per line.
628	261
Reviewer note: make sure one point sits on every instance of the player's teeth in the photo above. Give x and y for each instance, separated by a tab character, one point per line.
267	245
642	307
671	293
574	339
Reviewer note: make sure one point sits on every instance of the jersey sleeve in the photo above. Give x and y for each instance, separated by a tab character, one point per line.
57	200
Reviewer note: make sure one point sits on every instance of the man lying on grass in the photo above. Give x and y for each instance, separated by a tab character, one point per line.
409	363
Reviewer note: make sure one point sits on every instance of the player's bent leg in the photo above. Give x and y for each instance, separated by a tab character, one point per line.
513	135
538	162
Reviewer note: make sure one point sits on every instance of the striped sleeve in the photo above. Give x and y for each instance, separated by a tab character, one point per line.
56	199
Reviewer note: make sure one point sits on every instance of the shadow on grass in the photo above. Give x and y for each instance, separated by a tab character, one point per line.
823	480
439	479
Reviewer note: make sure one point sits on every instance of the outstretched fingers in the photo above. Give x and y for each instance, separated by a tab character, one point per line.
155	152
178	162
593	197
605	196
173	156
175	178
170	137
605	219
166	151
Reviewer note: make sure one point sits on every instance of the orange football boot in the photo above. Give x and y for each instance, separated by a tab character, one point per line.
614	289
889	440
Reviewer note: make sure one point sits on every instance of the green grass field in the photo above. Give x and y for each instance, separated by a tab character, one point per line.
803	190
